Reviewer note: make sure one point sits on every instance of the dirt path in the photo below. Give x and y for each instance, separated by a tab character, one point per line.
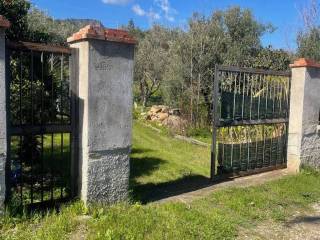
248	181
80	233
301	226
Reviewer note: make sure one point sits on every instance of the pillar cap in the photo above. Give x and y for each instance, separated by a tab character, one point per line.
303	62
4	23
100	33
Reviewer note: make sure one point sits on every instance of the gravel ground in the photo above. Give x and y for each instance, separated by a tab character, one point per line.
304	226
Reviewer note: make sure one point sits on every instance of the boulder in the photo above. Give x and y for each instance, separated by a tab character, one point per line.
162	116
168	117
155	109
165	109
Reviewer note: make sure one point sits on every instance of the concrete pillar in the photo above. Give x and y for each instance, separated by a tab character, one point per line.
105	62
304	131
4	24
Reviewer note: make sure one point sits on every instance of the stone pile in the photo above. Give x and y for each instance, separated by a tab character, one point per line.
167	117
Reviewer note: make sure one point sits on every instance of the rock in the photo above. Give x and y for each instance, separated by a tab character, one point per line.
155	109
162	116
168	117
154	118
165	109
148	117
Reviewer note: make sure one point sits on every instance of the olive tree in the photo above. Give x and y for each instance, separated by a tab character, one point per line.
308	39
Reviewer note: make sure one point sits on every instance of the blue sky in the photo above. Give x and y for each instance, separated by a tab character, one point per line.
283	14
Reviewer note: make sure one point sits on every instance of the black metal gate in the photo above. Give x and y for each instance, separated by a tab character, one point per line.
250	123
41	127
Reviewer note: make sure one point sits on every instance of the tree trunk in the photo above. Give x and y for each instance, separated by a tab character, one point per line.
142	94
209	105
198	97
191	82
144	101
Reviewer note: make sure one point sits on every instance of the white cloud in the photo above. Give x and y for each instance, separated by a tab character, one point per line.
164	5
138	10
150	14
168	11
153	15
116	2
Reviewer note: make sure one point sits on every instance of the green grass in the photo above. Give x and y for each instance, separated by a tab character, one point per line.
217	216
161	163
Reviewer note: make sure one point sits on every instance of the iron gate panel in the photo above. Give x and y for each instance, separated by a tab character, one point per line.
40	125
250	125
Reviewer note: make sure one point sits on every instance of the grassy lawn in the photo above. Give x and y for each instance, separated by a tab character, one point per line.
161	163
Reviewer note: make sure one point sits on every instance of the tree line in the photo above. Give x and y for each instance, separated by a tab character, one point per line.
175	66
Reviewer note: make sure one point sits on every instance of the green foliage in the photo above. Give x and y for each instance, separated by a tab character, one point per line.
242	38
178	65
231	37
151	59
308	39
274	59
134	30
44	28
309	43
16	12
173	66
203	133
29	23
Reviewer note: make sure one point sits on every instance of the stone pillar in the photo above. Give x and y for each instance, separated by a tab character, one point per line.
105	62
304	131
4	24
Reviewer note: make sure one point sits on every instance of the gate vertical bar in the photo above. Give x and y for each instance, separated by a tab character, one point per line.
32	121
8	137
287	123
20	137
61	122
215	119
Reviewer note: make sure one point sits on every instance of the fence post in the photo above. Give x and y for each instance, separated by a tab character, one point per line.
105	62
304	131
4	24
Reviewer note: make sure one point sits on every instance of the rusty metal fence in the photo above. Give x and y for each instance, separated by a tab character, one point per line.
250	125
41	125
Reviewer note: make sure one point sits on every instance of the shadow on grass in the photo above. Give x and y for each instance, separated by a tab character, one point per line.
306	219
150	192
144	166
140	150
